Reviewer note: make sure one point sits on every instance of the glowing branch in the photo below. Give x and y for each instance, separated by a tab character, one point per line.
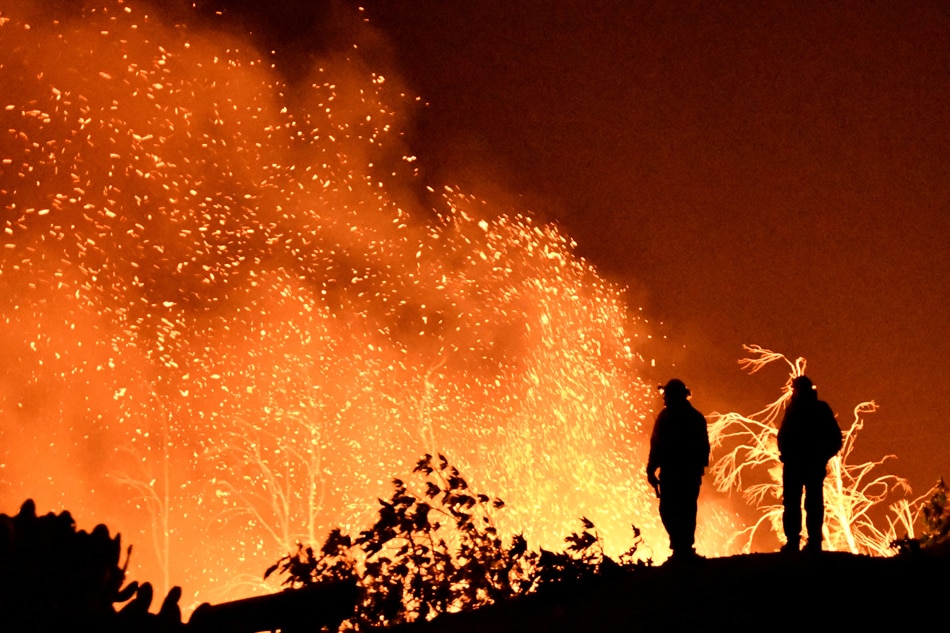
747	450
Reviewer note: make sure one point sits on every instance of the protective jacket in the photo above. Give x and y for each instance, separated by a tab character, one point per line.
809	434
679	445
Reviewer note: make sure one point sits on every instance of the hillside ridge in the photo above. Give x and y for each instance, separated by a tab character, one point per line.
743	592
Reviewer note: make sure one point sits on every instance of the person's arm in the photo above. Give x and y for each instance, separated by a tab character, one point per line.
706	448
656	448
835	437
783	437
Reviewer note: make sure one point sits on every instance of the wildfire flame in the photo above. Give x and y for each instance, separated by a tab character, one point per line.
223	333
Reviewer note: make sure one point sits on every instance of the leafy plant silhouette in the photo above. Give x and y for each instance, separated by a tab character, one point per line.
936	513
54	577
439	552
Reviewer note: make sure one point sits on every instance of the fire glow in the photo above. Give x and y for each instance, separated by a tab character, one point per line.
223	333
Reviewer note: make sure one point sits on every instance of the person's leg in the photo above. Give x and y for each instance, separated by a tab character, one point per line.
679	518
815	508
690	509
667	507
792	505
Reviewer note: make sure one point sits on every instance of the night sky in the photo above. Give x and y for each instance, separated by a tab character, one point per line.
774	175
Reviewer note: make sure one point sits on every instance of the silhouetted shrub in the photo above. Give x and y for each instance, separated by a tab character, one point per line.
440	552
936	514
53	577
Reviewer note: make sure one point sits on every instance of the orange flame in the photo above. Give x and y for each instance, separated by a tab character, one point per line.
223	334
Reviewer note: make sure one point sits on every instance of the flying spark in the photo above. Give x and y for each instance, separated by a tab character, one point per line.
224	333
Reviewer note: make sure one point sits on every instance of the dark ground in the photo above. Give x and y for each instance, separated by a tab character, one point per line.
830	591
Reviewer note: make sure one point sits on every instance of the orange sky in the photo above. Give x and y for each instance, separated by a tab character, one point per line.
775	176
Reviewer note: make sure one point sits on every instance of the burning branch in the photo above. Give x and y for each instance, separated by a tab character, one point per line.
272	484
852	492
154	492
273	502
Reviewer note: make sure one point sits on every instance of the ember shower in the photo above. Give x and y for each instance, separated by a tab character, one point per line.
222	333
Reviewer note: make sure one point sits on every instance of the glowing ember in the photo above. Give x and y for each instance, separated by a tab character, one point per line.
222	334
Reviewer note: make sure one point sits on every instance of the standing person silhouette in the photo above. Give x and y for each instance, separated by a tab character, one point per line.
808	437
679	448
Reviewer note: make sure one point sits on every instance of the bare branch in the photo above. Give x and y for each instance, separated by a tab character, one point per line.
749	463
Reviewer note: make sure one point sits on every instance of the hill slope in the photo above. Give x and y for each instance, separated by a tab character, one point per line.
752	592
